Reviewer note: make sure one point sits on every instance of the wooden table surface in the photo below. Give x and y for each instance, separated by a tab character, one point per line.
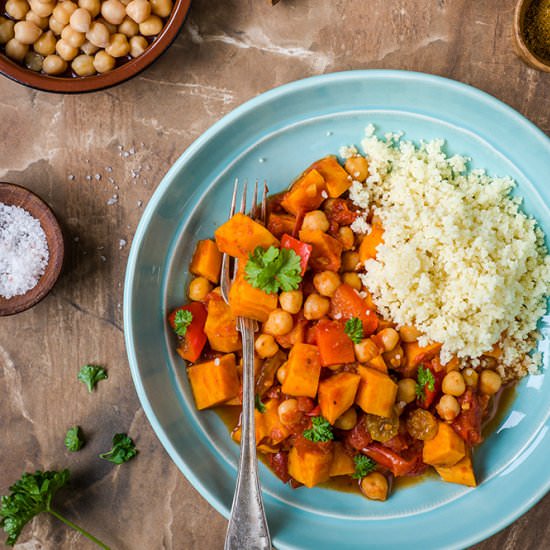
97	159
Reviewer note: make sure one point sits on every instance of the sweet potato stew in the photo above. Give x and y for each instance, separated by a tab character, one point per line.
340	389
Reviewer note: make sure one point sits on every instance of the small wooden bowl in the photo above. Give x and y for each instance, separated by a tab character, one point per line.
521	47
15	195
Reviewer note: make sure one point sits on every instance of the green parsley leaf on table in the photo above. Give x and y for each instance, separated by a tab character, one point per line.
258	403
123	450
354	329
74	440
424	378
91	375
182	320
363	466
274	269
30	496
320	431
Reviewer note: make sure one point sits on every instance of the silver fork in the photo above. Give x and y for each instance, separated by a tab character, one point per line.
247	529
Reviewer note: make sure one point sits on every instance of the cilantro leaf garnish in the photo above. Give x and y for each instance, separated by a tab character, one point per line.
123	450
91	375
363	466
273	269
182	320
320	430
424	378
354	329
74	440
259	404
30	496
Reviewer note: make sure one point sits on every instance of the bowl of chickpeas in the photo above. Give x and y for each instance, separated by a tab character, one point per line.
73	46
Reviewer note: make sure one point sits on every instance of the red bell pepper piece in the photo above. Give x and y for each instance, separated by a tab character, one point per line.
431	395
359	436
389	459
468	423
302	249
346	303
335	346
194	340
279	465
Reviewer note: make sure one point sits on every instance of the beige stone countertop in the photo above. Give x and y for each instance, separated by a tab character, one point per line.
97	159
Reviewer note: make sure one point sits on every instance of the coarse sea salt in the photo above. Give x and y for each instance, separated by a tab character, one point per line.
23	251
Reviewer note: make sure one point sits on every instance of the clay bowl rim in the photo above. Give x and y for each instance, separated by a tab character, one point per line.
16	195
523	51
77	85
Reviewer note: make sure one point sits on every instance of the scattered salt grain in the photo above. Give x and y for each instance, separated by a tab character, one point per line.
23	251
139	204
98	177
217	361
329	133
261	160
71	177
324	194
88	178
121	244
109	169
112	200
103	258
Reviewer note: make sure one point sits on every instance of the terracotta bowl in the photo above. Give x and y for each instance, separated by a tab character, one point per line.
523	51
14	195
41	81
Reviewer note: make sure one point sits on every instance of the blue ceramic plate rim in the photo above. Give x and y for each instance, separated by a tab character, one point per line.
534	494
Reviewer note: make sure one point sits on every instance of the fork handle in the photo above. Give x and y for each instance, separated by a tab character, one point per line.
247	529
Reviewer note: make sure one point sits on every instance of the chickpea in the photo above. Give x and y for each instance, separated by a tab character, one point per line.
27	32
63	11
33	61
40	22
347	420
83	65
353	280
326	282
56	26
453	383
366	350
65	50
110	27
279	323
374	486
17	9
151	26
406	390
81	20
346	237
409	334
358	167
99	35
15	50
53	64
113	11
395	357
289	413
138	44
350	261
162	8
281	374
291	300
471	377
266	346
489	382
138	10
119	46
315	307
198	287
72	37
128	27
92	6
448	407
6	30
316	220
42	9
45	45
389	338
89	49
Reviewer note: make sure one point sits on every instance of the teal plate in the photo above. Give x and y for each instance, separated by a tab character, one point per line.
274	137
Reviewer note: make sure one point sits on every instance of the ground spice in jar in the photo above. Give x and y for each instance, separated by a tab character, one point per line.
536	28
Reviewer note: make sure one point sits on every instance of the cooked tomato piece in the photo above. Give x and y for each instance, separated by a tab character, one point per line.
340	211
468	423
194	340
346	303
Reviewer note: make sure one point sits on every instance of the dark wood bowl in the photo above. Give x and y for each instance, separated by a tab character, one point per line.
127	70
521	47
15	195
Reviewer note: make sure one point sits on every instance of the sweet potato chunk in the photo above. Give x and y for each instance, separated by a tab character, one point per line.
305	194
207	261
337	394
279	224
445	449
214	382
376	393
336	178
240	236
303	369
327	251
342	463
378	363
370	243
220	327
310	465
462	472
414	354
247	301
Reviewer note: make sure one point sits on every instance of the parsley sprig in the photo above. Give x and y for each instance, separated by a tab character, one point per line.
30	496
320	431
363	466
182	320
123	450
273	269
424	378
258	403
354	329
74	440
91	375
